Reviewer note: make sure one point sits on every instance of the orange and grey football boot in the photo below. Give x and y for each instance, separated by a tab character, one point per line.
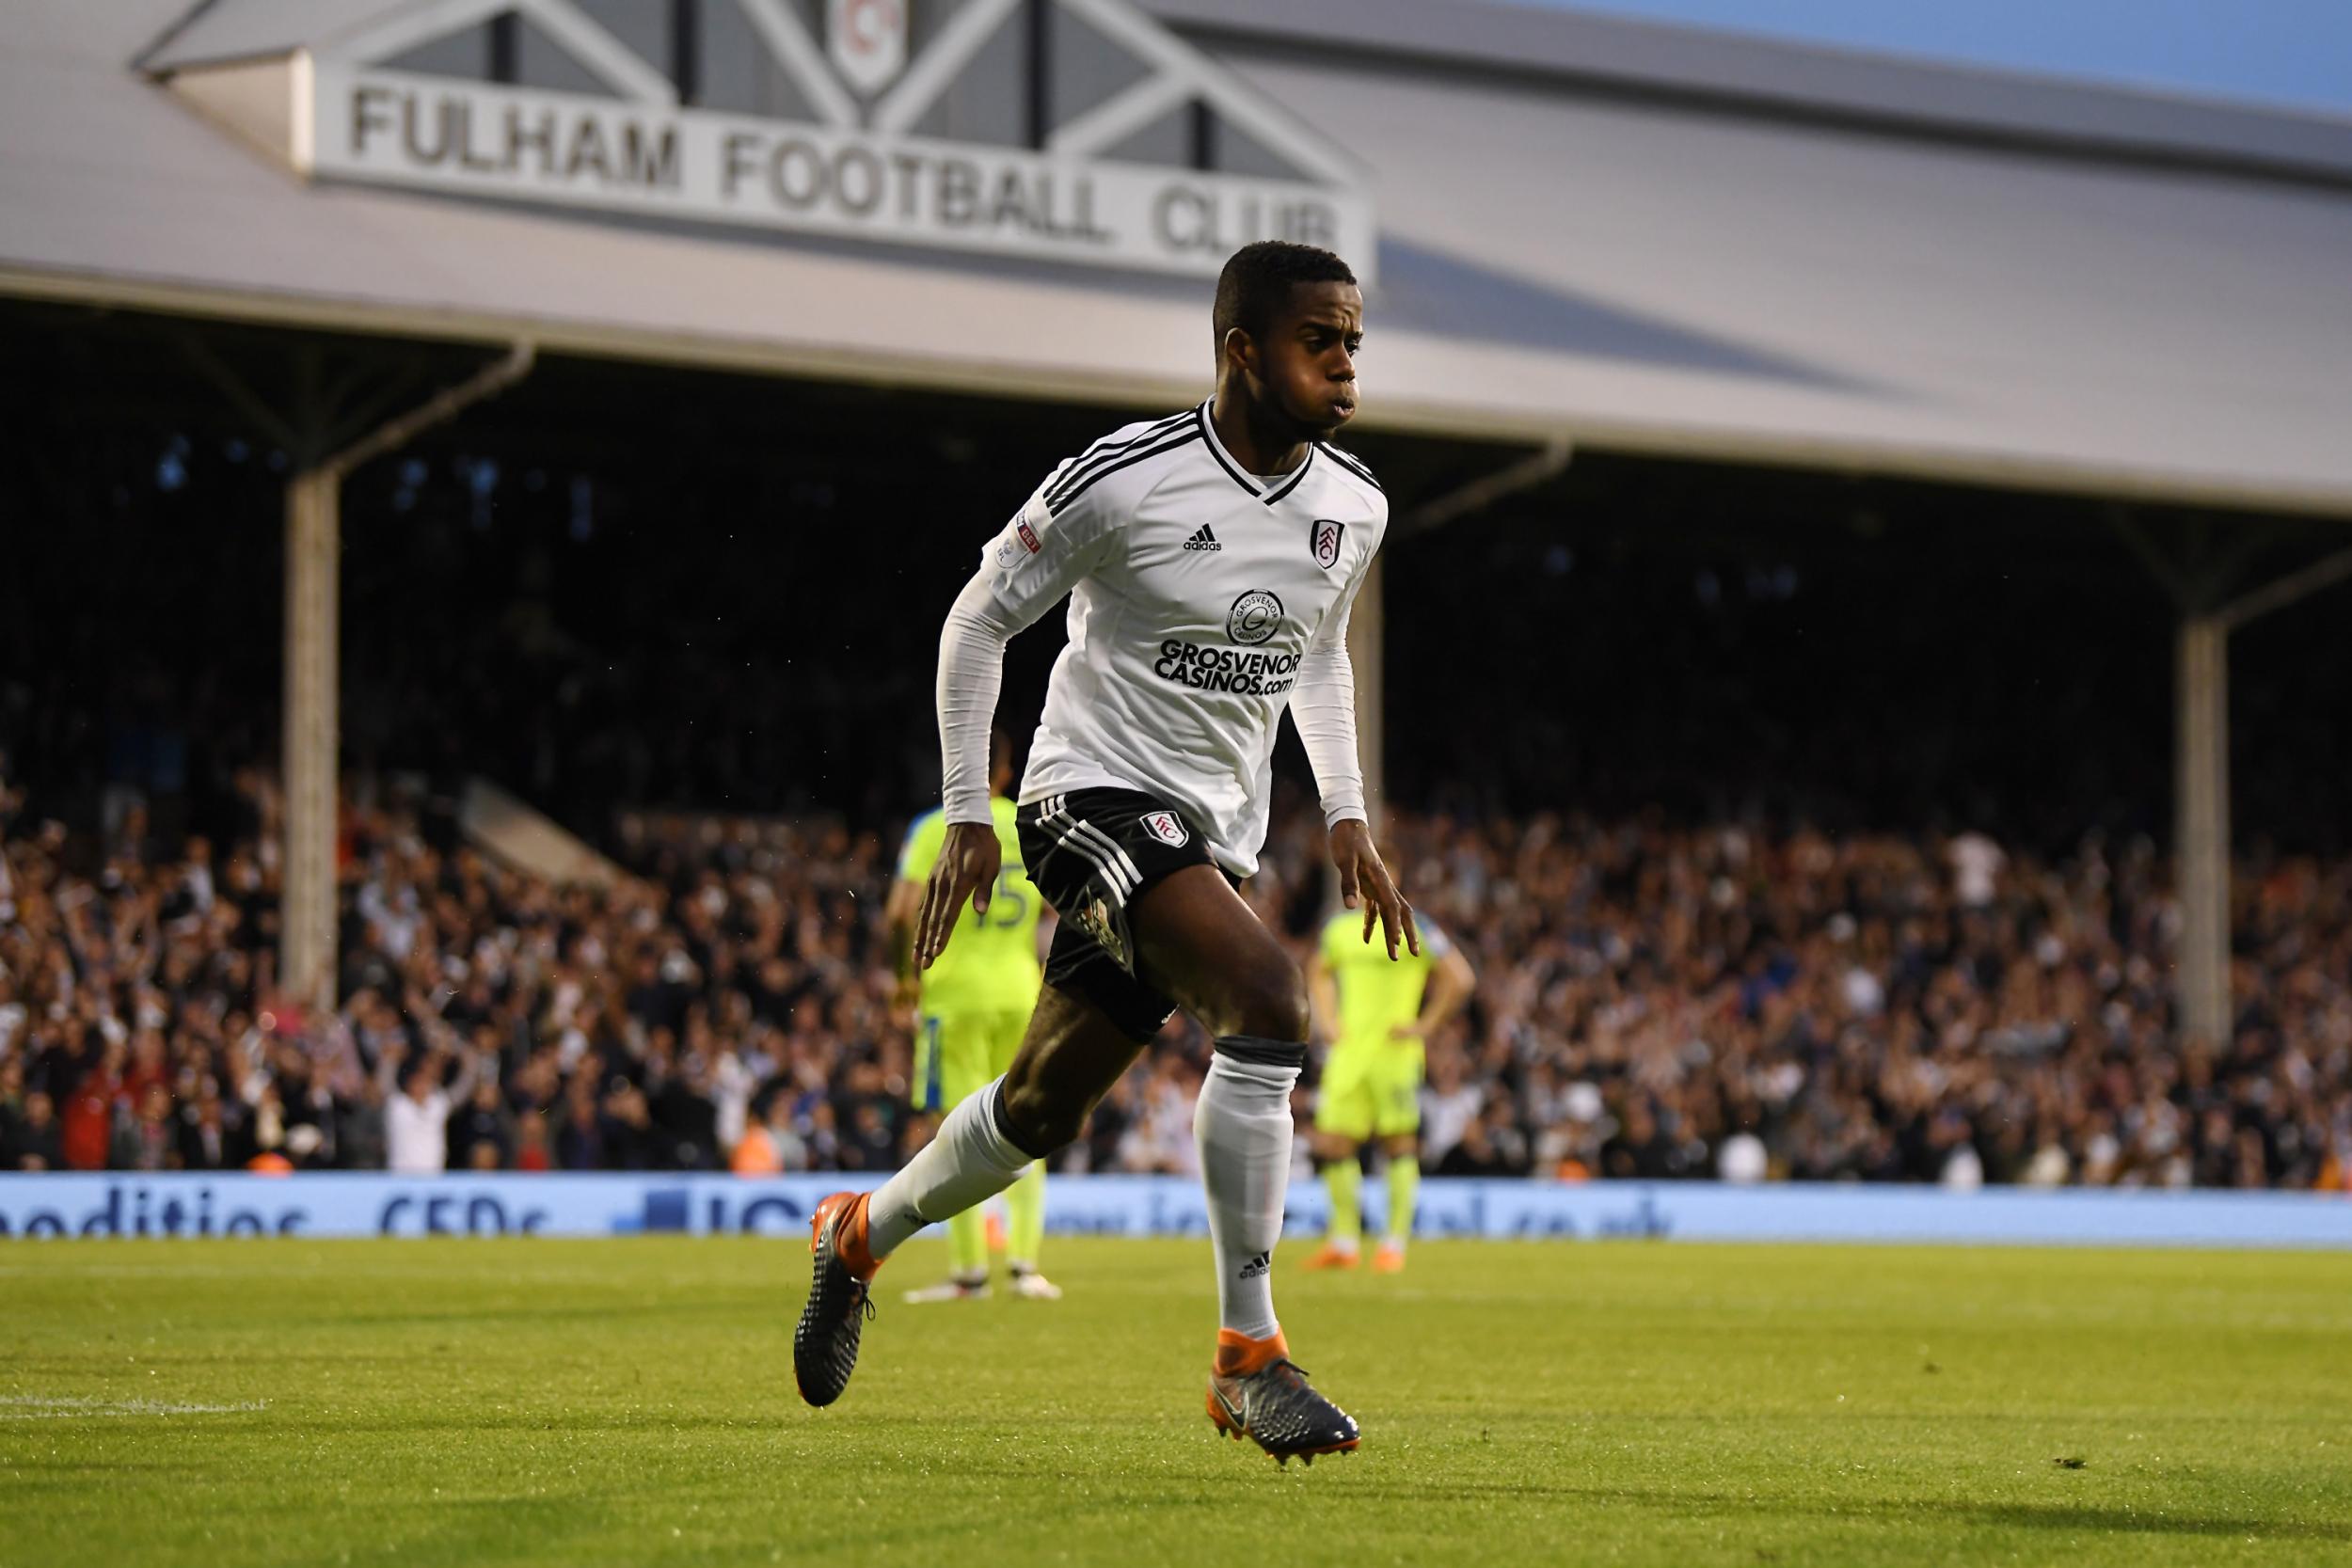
824	1347
1257	1391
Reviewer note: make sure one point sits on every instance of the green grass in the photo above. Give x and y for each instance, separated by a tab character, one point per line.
631	1401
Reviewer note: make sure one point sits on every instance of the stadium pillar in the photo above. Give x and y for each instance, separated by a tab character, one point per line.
2200	774
307	959
1367	650
2202	824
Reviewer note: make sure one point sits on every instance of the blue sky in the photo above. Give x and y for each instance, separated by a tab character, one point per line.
2292	53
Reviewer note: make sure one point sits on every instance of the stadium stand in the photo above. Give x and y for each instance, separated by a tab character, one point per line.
1653	1002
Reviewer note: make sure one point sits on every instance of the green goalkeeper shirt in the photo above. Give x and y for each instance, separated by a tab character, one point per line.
1376	992
990	963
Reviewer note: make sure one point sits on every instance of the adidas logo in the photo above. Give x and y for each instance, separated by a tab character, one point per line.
1203	540
1263	1263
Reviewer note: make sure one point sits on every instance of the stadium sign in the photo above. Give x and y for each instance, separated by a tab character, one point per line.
1166	164
122	1205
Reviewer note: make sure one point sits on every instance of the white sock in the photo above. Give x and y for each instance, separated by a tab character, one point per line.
968	1161
1242	1125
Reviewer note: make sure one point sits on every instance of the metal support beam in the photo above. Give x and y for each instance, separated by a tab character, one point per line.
1367	626
307	959
1039	71
686	64
2202	1005
1201	121
2323	573
2201	827
1482	492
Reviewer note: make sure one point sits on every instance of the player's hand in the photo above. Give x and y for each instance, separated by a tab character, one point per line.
1365	884
968	863
1410	1030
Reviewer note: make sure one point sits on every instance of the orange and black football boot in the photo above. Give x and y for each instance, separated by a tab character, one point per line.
824	1347
1257	1391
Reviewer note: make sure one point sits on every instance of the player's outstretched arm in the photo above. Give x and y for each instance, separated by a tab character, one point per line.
971	670
1323	706
1030	565
1365	884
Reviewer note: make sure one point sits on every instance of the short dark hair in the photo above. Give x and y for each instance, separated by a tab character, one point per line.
1258	280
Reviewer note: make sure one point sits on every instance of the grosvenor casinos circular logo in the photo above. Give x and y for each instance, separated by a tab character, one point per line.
1255	616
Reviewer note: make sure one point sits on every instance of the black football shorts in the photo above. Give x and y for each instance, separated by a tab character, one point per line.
1092	852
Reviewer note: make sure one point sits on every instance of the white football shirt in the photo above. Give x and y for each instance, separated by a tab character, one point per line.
1195	590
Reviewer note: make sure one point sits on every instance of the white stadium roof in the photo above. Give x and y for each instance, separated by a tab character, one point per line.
1625	235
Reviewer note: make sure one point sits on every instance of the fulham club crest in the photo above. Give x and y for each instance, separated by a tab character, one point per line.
1325	536
1167	826
868	40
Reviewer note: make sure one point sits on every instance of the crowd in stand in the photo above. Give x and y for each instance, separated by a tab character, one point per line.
1659	1002
1653	1000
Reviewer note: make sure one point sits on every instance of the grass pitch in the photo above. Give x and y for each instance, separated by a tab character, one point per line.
569	1402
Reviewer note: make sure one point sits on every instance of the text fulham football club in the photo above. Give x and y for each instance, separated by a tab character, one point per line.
697	165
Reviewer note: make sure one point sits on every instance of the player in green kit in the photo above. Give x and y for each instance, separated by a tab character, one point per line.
1381	1013
971	1009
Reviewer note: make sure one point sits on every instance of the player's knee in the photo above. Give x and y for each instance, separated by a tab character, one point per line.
1270	1001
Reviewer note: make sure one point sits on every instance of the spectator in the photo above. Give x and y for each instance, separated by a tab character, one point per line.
479	1128
530	1143
208	1140
33	1141
628	1132
416	1120
687	1119
89	1110
580	1143
1490	1145
1449	1106
146	1139
759	1152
